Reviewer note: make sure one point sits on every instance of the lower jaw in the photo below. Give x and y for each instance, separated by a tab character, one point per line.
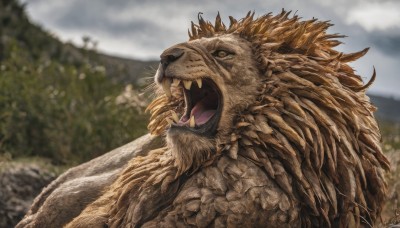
207	130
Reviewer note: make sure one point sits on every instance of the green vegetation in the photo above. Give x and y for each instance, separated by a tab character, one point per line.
56	101
390	134
391	146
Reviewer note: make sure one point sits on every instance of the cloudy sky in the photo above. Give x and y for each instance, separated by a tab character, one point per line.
142	29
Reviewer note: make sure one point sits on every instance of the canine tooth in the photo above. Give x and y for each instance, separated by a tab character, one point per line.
187	84
199	82
174	116
166	84
176	81
169	121
192	122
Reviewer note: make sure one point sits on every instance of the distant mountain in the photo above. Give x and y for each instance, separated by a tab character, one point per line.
388	108
127	70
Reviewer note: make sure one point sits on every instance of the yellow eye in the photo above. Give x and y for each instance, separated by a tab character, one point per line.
221	54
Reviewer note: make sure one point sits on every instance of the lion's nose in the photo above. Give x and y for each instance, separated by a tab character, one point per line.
171	55
167	57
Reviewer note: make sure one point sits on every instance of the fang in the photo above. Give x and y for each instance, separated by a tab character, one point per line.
192	122
199	82
187	84
174	116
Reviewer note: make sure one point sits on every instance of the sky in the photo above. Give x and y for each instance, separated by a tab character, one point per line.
143	29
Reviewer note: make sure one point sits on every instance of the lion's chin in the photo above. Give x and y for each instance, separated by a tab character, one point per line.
189	149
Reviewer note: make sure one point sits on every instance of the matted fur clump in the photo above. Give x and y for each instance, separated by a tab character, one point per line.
282	133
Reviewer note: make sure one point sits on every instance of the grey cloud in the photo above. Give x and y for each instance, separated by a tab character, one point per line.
389	44
84	16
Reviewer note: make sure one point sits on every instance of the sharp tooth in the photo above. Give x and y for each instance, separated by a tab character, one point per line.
187	84
169	121
166	84
174	116
192	122
199	82
176	81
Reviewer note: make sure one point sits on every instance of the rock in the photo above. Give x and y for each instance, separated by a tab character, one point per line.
19	185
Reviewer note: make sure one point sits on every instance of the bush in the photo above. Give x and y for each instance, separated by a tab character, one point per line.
63	112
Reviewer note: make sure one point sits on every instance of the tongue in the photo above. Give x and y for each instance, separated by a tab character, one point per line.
202	111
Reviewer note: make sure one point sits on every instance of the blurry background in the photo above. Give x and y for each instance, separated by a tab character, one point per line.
71	73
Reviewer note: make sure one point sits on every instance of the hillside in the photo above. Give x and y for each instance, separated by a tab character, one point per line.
388	108
60	101
126	70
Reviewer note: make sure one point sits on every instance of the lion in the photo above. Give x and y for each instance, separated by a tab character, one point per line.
265	125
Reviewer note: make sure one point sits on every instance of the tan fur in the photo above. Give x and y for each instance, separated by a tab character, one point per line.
291	105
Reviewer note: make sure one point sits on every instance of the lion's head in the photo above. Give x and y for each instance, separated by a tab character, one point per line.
209	81
273	89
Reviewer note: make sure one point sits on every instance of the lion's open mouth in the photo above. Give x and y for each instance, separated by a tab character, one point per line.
203	105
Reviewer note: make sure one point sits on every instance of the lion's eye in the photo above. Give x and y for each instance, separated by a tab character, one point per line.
221	54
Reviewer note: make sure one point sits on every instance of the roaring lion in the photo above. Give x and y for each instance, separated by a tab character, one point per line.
266	125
